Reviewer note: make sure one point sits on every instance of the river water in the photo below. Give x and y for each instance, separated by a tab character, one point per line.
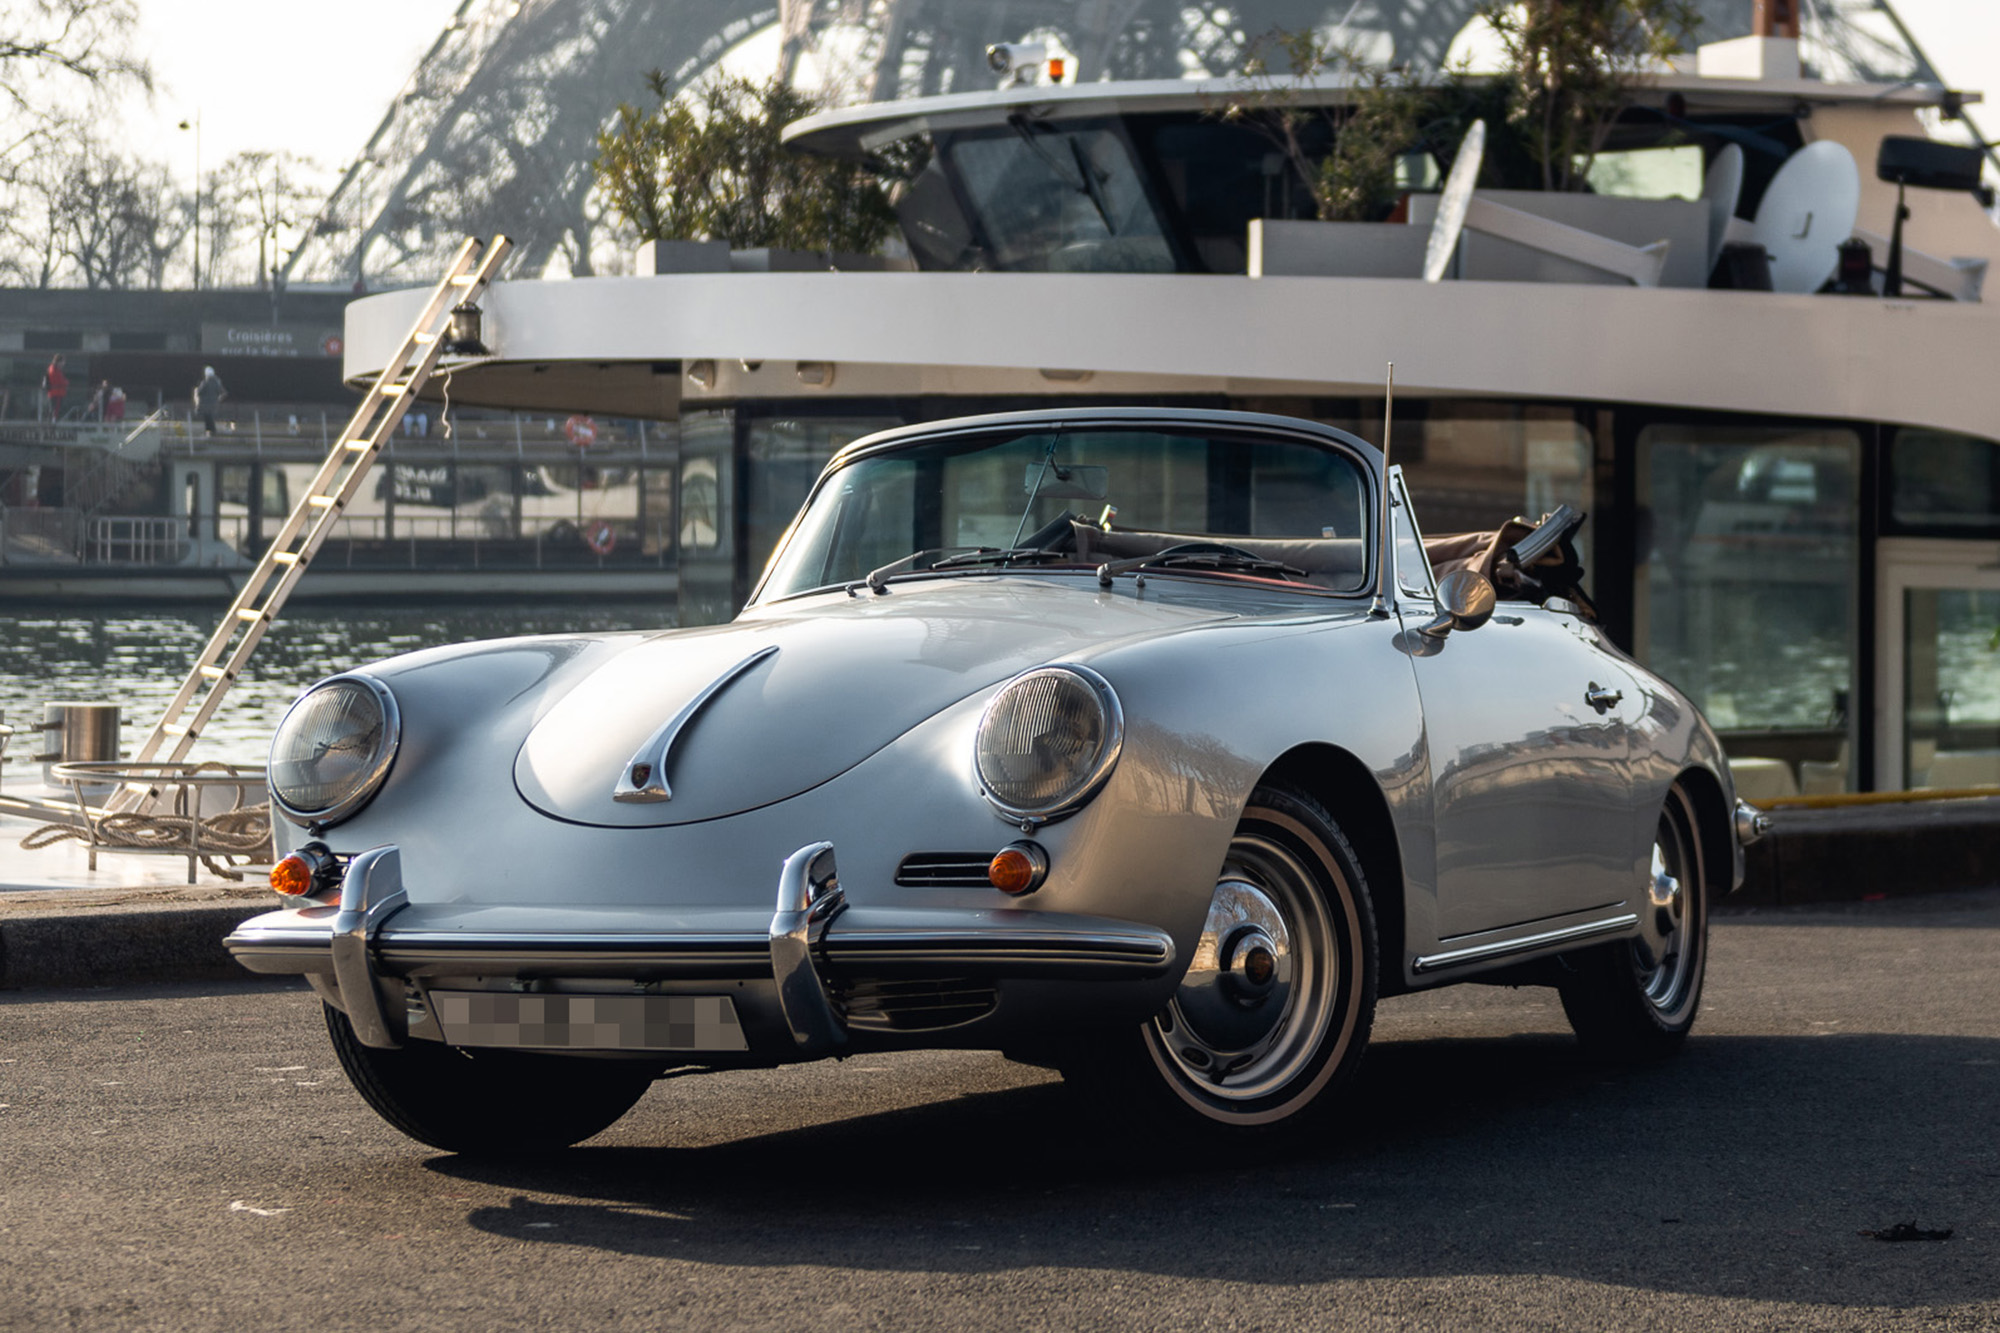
138	656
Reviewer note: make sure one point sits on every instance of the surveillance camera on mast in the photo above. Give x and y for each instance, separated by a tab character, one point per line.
1016	62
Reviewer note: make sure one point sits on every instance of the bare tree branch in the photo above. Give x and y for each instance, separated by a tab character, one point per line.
47	43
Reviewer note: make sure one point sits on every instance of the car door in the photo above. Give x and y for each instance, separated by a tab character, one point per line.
1527	722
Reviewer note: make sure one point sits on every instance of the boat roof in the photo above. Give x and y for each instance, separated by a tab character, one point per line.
852	131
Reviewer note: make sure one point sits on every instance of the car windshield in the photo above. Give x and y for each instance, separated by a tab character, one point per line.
1212	502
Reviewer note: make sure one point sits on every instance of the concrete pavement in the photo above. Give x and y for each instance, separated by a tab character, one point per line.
190	1157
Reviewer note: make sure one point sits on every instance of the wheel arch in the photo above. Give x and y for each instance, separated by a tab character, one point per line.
1714	826
1345	786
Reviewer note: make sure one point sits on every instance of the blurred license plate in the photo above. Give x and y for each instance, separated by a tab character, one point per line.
589	1022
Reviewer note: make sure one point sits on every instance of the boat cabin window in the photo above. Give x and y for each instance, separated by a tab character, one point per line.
1217	177
1648	173
1747	560
1473	465
1941	482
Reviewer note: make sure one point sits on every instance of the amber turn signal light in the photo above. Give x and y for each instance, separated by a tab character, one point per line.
292	876
306	871
1018	868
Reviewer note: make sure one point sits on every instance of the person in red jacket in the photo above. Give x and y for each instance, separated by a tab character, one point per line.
56	385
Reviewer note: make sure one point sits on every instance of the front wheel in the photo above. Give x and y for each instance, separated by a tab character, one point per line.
1278	1001
488	1102
1636	999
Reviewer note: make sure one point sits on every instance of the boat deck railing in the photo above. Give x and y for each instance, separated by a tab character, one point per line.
264	430
213	814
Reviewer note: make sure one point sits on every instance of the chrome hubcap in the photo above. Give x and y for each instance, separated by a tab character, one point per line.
1661	951
1258	995
1240	981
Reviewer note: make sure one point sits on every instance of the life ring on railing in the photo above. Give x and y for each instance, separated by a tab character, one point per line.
581	430
600	537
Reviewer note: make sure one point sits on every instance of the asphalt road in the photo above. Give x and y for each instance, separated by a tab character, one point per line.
189	1157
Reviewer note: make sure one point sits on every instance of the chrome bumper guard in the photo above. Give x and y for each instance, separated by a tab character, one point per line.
370	893
809	899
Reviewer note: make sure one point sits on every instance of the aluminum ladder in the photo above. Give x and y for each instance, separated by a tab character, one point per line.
311	521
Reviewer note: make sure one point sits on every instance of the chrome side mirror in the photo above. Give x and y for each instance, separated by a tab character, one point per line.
1465	601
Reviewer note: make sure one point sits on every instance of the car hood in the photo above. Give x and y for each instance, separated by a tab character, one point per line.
848	677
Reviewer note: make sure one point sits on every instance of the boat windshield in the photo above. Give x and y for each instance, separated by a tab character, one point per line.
1058	198
1208	502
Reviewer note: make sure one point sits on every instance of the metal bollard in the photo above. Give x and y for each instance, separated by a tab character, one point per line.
79	733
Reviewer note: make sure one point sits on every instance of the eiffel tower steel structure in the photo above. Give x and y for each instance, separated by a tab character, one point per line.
496	128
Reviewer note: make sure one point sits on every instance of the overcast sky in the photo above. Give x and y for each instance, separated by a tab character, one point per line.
316	79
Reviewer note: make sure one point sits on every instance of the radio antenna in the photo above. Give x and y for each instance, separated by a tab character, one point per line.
1385	542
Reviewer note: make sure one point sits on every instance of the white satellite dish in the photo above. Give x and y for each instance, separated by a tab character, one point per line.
1720	189
1808	210
1457	198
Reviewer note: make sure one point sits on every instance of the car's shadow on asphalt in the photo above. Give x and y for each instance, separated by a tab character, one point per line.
1746	1168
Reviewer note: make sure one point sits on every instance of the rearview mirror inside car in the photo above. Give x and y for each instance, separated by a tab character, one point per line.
1066	481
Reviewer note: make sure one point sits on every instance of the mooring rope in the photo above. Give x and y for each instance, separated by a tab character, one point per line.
240	833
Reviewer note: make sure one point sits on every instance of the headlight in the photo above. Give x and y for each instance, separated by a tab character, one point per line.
1048	741
333	749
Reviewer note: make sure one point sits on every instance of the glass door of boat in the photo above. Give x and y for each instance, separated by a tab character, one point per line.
1938	721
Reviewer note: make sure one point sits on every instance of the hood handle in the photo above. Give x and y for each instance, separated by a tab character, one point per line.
644	778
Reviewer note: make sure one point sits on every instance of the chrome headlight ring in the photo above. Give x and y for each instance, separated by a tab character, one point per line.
333	749
1047	742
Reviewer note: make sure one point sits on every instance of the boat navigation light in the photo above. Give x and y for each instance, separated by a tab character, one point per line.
1016	62
462	334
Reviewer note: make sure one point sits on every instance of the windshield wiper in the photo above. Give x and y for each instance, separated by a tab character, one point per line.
878	579
1092	185
1087	183
994	556
1197	555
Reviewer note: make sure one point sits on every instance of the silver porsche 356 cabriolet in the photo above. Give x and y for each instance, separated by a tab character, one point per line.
1153	746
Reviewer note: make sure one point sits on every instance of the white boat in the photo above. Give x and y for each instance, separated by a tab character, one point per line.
1795	499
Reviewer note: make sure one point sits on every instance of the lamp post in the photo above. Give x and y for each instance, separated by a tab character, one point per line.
195	125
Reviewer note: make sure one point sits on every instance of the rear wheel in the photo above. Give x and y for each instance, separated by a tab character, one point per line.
1636	999
1279	998
488	1102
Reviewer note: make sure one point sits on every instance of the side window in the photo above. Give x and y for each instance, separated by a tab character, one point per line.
1413	568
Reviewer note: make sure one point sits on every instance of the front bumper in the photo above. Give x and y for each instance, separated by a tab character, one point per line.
820	973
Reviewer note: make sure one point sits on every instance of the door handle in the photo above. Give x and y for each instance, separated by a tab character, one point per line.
1601	698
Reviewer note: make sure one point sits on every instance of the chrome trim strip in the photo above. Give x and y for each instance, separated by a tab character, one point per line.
659	747
809	897
1502	948
371	892
1143	946
1149	947
446	939
1000	951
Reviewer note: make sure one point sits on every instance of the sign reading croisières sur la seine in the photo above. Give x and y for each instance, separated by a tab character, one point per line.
267	339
